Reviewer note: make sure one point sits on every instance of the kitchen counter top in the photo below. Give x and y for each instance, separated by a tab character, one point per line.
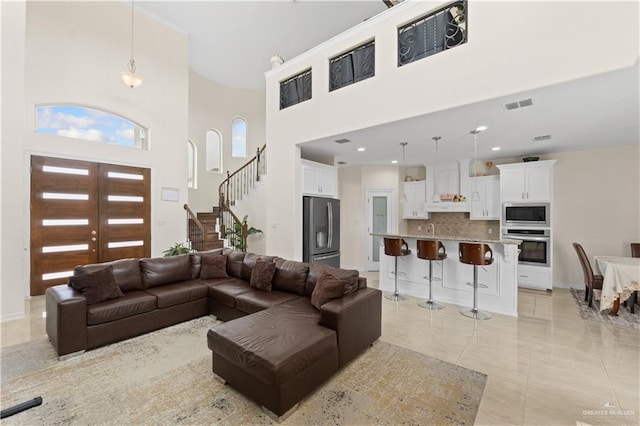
451	238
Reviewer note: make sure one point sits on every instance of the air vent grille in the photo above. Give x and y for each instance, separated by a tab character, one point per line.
342	163
342	140
518	104
542	138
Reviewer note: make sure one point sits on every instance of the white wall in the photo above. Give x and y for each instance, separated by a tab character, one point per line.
73	53
212	106
597	204
505	39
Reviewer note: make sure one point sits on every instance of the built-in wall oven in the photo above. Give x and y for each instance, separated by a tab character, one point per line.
535	248
526	214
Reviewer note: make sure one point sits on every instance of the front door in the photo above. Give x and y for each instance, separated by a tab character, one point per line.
84	212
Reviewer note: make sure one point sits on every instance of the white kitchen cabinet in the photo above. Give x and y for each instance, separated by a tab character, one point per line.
536	277
448	178
319	179
414	207
527	182
488	206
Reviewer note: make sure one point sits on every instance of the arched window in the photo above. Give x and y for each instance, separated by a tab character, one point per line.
214	151
238	137
192	165
80	122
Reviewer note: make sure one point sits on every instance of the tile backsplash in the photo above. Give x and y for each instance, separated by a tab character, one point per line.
455	224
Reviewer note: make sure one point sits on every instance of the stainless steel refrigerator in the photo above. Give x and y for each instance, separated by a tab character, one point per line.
321	230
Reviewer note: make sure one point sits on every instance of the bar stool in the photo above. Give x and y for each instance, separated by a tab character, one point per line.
395	247
475	254
431	250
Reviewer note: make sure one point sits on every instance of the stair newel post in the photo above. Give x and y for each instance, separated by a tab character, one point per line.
228	189
257	164
244	235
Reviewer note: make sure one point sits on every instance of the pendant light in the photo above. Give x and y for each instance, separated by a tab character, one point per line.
404	194
130	77
475	195
436	194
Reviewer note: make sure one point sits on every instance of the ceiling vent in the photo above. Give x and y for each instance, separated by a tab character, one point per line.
518	104
542	138
342	141
342	163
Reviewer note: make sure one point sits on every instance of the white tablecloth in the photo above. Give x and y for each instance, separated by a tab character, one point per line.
621	278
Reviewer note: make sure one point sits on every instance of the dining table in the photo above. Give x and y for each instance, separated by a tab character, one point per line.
621	279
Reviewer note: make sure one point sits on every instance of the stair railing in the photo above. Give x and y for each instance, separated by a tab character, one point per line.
195	230
234	188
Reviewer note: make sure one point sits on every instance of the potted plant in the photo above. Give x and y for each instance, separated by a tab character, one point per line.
238	234
177	249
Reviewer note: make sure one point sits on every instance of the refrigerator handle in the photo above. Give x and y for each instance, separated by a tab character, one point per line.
330	215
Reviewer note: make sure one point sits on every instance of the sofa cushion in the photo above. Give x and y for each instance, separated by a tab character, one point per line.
349	276
262	274
196	260
226	291
257	300
133	303
97	286
290	276
327	289
165	270
213	267
125	271
182	292
249	261
271	345
234	263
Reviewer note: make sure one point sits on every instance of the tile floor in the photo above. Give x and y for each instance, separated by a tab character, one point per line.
547	367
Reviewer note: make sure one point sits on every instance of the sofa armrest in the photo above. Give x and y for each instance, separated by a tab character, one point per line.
66	319
356	319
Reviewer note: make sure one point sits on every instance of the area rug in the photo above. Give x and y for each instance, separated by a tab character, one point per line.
165	377
623	319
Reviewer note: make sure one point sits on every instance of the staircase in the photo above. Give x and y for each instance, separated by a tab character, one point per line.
202	231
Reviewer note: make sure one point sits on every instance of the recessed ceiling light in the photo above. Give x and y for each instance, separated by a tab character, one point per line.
481	128
394	161
495	148
361	149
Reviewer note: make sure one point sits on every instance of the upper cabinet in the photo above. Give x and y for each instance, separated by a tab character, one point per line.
414	206
319	179
527	182
448	178
487	207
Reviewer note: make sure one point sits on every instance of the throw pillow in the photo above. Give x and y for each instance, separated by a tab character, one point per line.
327	289
213	267
262	274
97	286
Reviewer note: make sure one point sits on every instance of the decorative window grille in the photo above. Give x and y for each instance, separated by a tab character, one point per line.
441	30
80	122
353	66
296	89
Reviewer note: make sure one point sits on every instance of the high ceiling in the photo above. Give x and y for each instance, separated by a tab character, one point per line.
231	42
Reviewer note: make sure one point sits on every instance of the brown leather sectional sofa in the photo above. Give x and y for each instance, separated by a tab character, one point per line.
275	347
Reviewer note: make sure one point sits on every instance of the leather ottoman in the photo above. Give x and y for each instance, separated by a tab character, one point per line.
275	357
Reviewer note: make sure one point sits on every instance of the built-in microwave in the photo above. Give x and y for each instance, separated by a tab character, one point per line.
526	214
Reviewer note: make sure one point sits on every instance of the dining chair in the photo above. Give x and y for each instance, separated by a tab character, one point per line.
591	281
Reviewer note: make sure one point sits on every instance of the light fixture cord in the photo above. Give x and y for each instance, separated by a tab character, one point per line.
475	153
132	31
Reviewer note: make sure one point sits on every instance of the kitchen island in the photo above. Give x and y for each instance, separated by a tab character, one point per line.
453	280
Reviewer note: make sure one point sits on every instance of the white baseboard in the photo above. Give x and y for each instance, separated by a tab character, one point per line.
11	317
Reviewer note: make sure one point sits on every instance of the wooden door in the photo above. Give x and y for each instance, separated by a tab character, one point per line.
84	212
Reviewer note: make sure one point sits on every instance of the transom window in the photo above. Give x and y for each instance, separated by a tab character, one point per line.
79	122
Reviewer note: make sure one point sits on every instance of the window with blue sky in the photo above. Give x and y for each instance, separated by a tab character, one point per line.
238	137
90	124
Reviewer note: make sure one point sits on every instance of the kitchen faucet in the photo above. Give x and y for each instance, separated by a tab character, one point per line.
433	230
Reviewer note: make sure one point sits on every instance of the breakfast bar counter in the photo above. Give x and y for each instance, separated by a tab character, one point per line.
453	279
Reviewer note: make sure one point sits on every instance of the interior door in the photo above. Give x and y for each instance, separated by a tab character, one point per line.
84	212
378	221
